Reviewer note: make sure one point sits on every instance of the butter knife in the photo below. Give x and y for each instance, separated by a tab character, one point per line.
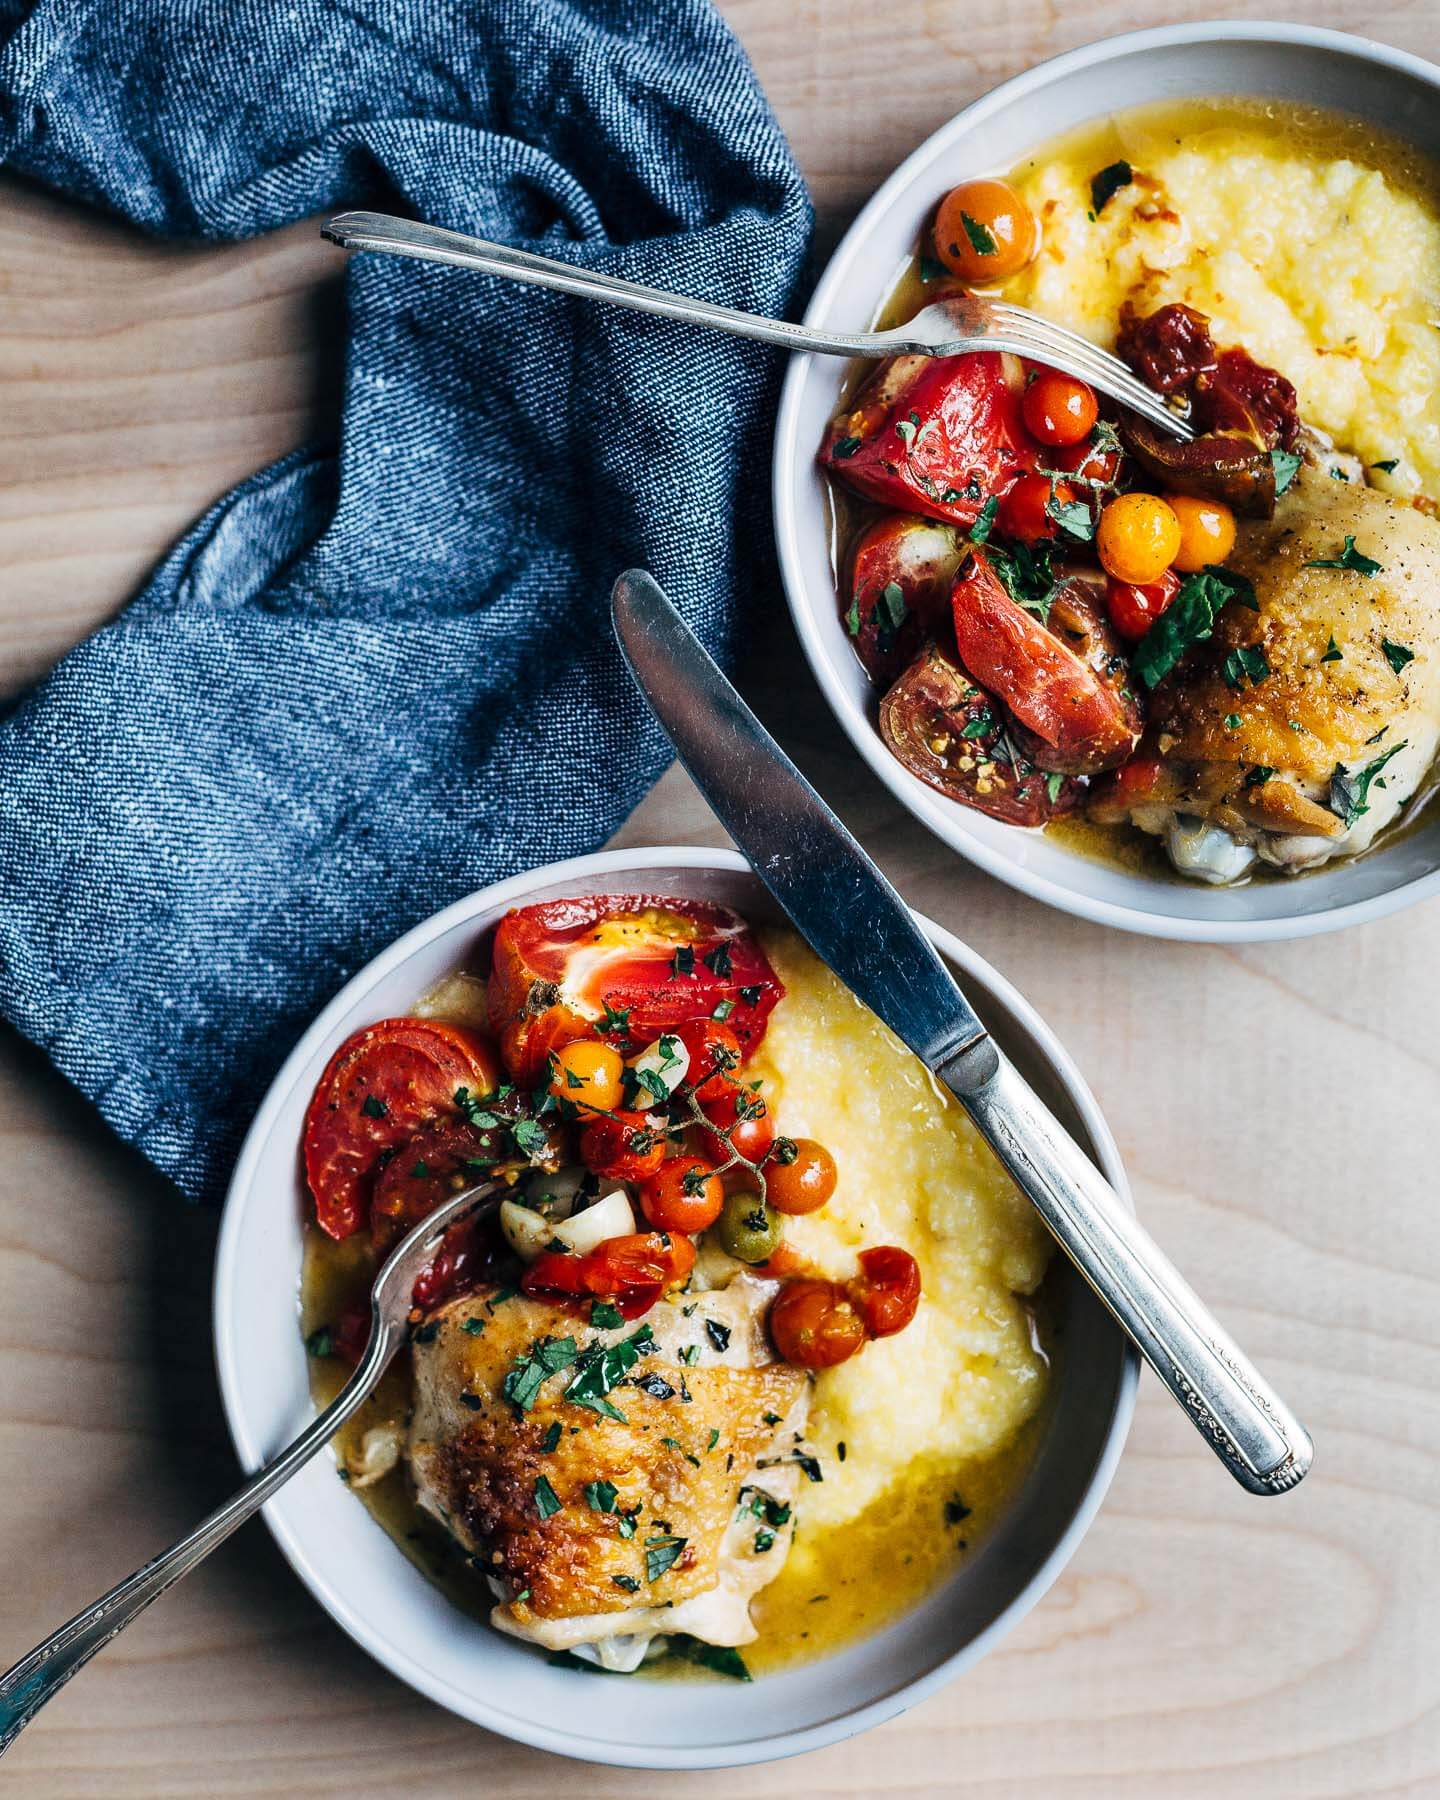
854	920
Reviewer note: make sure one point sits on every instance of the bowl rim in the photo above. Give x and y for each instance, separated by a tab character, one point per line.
789	456
228	1337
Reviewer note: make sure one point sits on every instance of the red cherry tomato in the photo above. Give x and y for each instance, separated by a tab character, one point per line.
684	1194
633	1271
801	1183
1088	459
623	1146
464	1261
624	967
1133	610
1024	512
1058	409
814	1325
886	1292
379	1088
714	1052
742	1122
441	1159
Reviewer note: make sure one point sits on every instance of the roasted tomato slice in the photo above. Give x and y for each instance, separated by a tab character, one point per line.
626	967
1083	717
950	733
379	1088
633	1271
442	1158
897	594
936	435
466	1260
1079	617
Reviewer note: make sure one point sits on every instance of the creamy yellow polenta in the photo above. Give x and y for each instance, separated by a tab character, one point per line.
1304	237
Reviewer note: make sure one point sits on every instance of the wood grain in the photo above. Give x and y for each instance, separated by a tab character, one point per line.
1275	1105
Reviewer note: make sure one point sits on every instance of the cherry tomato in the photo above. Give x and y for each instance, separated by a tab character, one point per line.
624	967
802	1182
1137	538
633	1271
442	1158
886	1292
714	1052
378	1089
463	1262
814	1325
1094	461
742	1122
1025	510
984	231
1058	409
684	1194
1207	531
623	1146
588	1073
1133	610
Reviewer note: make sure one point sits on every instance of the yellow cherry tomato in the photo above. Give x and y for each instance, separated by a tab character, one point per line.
1207	531
984	231
590	1074
1137	538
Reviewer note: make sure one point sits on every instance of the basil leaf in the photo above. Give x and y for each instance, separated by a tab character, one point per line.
1353	561
1350	791
1188	620
1396	654
982	240
1108	183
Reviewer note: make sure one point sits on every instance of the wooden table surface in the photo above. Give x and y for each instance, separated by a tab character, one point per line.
1274	1105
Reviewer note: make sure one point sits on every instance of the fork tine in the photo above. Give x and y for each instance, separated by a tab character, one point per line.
1089	360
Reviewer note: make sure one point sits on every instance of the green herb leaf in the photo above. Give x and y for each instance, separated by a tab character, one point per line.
600	1496
547	1501
1258	776
373	1108
1388	465
1353	561
1189	619
985	521
1246	663
930	270
1027	574
1350	792
1108	183
1396	654
1286	465
605	1315
852	616
628	1582
551	1440
661	1553
473	1327
1072	516
956	1511
1054	781
720	1659
846	448
600	1368
1332	651
683	962
982	239
529	1373
321	1342
1232	721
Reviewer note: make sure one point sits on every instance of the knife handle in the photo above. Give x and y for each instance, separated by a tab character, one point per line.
1246	1424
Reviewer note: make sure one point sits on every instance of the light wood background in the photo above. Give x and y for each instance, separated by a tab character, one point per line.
1276	1106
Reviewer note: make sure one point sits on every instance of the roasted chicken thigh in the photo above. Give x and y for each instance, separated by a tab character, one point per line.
1299	730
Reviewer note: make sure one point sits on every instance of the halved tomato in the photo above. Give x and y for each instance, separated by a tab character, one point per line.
937	435
1083	717
382	1084
625	967
900	572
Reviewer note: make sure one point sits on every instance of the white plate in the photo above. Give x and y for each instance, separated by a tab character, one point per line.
365	1583
1291	62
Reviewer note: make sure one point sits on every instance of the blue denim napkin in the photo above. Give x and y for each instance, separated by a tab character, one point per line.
368	682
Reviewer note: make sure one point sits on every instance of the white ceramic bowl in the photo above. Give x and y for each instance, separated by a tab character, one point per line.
386	1604
1291	62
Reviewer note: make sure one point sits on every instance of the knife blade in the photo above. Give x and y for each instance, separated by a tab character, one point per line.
854	920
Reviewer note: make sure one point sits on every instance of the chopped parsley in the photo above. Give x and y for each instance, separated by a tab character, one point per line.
1350	790
472	1401
1108	183
600	1496
530	1137
1189	619
320	1342
720	1659
1286	465
1332	651
529	1373
683	962
551	1440
1072	516
846	448
615	1018
599	1368
661	1553
717	961
1258	775
690	1355
1387	465
982	239
1396	654
547	1501
718	1334
723	1010
373	1108
1247	663
1054	781
420	1170
654	1384
628	1582
1232	721
1027	574
930	270
956	1511
764	1540
473	1327
605	1315
1353	561
674	1444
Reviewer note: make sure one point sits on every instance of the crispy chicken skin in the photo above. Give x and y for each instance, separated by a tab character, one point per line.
1315	709
477	1458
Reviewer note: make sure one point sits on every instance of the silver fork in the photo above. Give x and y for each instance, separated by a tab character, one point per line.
944	328
40	1675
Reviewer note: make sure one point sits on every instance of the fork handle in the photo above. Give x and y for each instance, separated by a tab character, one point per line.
40	1675
429	243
